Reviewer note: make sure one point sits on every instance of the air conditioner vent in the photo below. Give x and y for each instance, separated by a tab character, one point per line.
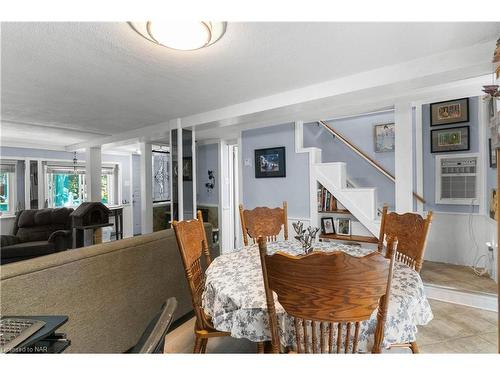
456	180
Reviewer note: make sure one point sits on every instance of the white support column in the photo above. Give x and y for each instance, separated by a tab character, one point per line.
419	145
27	184
93	173
41	185
180	180
146	188
404	157
193	172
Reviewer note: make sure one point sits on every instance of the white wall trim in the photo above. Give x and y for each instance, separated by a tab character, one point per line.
483	301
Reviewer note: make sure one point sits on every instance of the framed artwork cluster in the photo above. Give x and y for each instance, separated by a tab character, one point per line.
450	139
340	226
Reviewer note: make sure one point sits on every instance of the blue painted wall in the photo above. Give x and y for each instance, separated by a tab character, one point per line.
360	131
271	192
207	158
13	152
429	167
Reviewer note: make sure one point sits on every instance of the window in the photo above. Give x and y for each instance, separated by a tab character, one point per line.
108	185
7	187
161	186
66	184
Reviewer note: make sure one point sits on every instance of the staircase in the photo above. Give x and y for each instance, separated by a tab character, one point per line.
361	202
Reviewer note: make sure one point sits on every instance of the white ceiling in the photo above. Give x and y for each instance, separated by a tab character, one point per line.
103	79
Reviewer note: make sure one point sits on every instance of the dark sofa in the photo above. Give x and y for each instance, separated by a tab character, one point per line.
36	233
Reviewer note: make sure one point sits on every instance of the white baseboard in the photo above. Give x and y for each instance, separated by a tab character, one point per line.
485	301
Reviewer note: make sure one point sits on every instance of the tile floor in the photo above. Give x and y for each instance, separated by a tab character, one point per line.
460	277
454	329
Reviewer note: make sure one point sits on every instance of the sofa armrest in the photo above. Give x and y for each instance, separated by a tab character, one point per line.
61	239
7	240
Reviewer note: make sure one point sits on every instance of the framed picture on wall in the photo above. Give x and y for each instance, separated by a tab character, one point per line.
450	139
450	112
270	162
493	204
327	226
492	155
384	137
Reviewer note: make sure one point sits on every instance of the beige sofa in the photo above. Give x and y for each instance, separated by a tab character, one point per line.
110	291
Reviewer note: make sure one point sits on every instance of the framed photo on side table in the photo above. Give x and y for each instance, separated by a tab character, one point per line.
343	226
327	226
270	162
450	112
450	139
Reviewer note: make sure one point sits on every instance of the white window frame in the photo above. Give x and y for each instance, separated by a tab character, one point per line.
115	194
12	189
479	183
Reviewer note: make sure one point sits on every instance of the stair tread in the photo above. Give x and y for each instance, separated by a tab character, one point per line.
338	211
355	238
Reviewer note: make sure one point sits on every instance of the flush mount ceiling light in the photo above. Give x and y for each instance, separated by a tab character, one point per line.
181	35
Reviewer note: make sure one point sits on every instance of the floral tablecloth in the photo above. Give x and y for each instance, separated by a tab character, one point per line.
234	297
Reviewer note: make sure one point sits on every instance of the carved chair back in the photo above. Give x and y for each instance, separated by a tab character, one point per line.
327	295
411	231
264	221
192	243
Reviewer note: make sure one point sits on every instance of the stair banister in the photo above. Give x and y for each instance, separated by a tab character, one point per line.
367	158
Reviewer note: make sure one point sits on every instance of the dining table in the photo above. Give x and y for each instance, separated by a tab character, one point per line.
234	297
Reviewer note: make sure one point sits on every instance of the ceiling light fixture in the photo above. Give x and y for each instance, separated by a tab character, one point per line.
181	35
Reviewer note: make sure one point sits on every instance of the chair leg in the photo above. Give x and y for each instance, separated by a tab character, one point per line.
197	345
414	347
203	348
260	347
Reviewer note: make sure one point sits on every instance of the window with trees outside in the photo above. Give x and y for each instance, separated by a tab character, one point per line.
66	185
7	188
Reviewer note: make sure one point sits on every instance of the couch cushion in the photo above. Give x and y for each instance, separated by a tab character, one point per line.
26	218
38	233
26	249
46	216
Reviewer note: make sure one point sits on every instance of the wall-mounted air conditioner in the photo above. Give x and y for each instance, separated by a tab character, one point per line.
457	179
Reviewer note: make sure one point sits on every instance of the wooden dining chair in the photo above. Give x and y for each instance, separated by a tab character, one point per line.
411	231
263	221
193	244
327	295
